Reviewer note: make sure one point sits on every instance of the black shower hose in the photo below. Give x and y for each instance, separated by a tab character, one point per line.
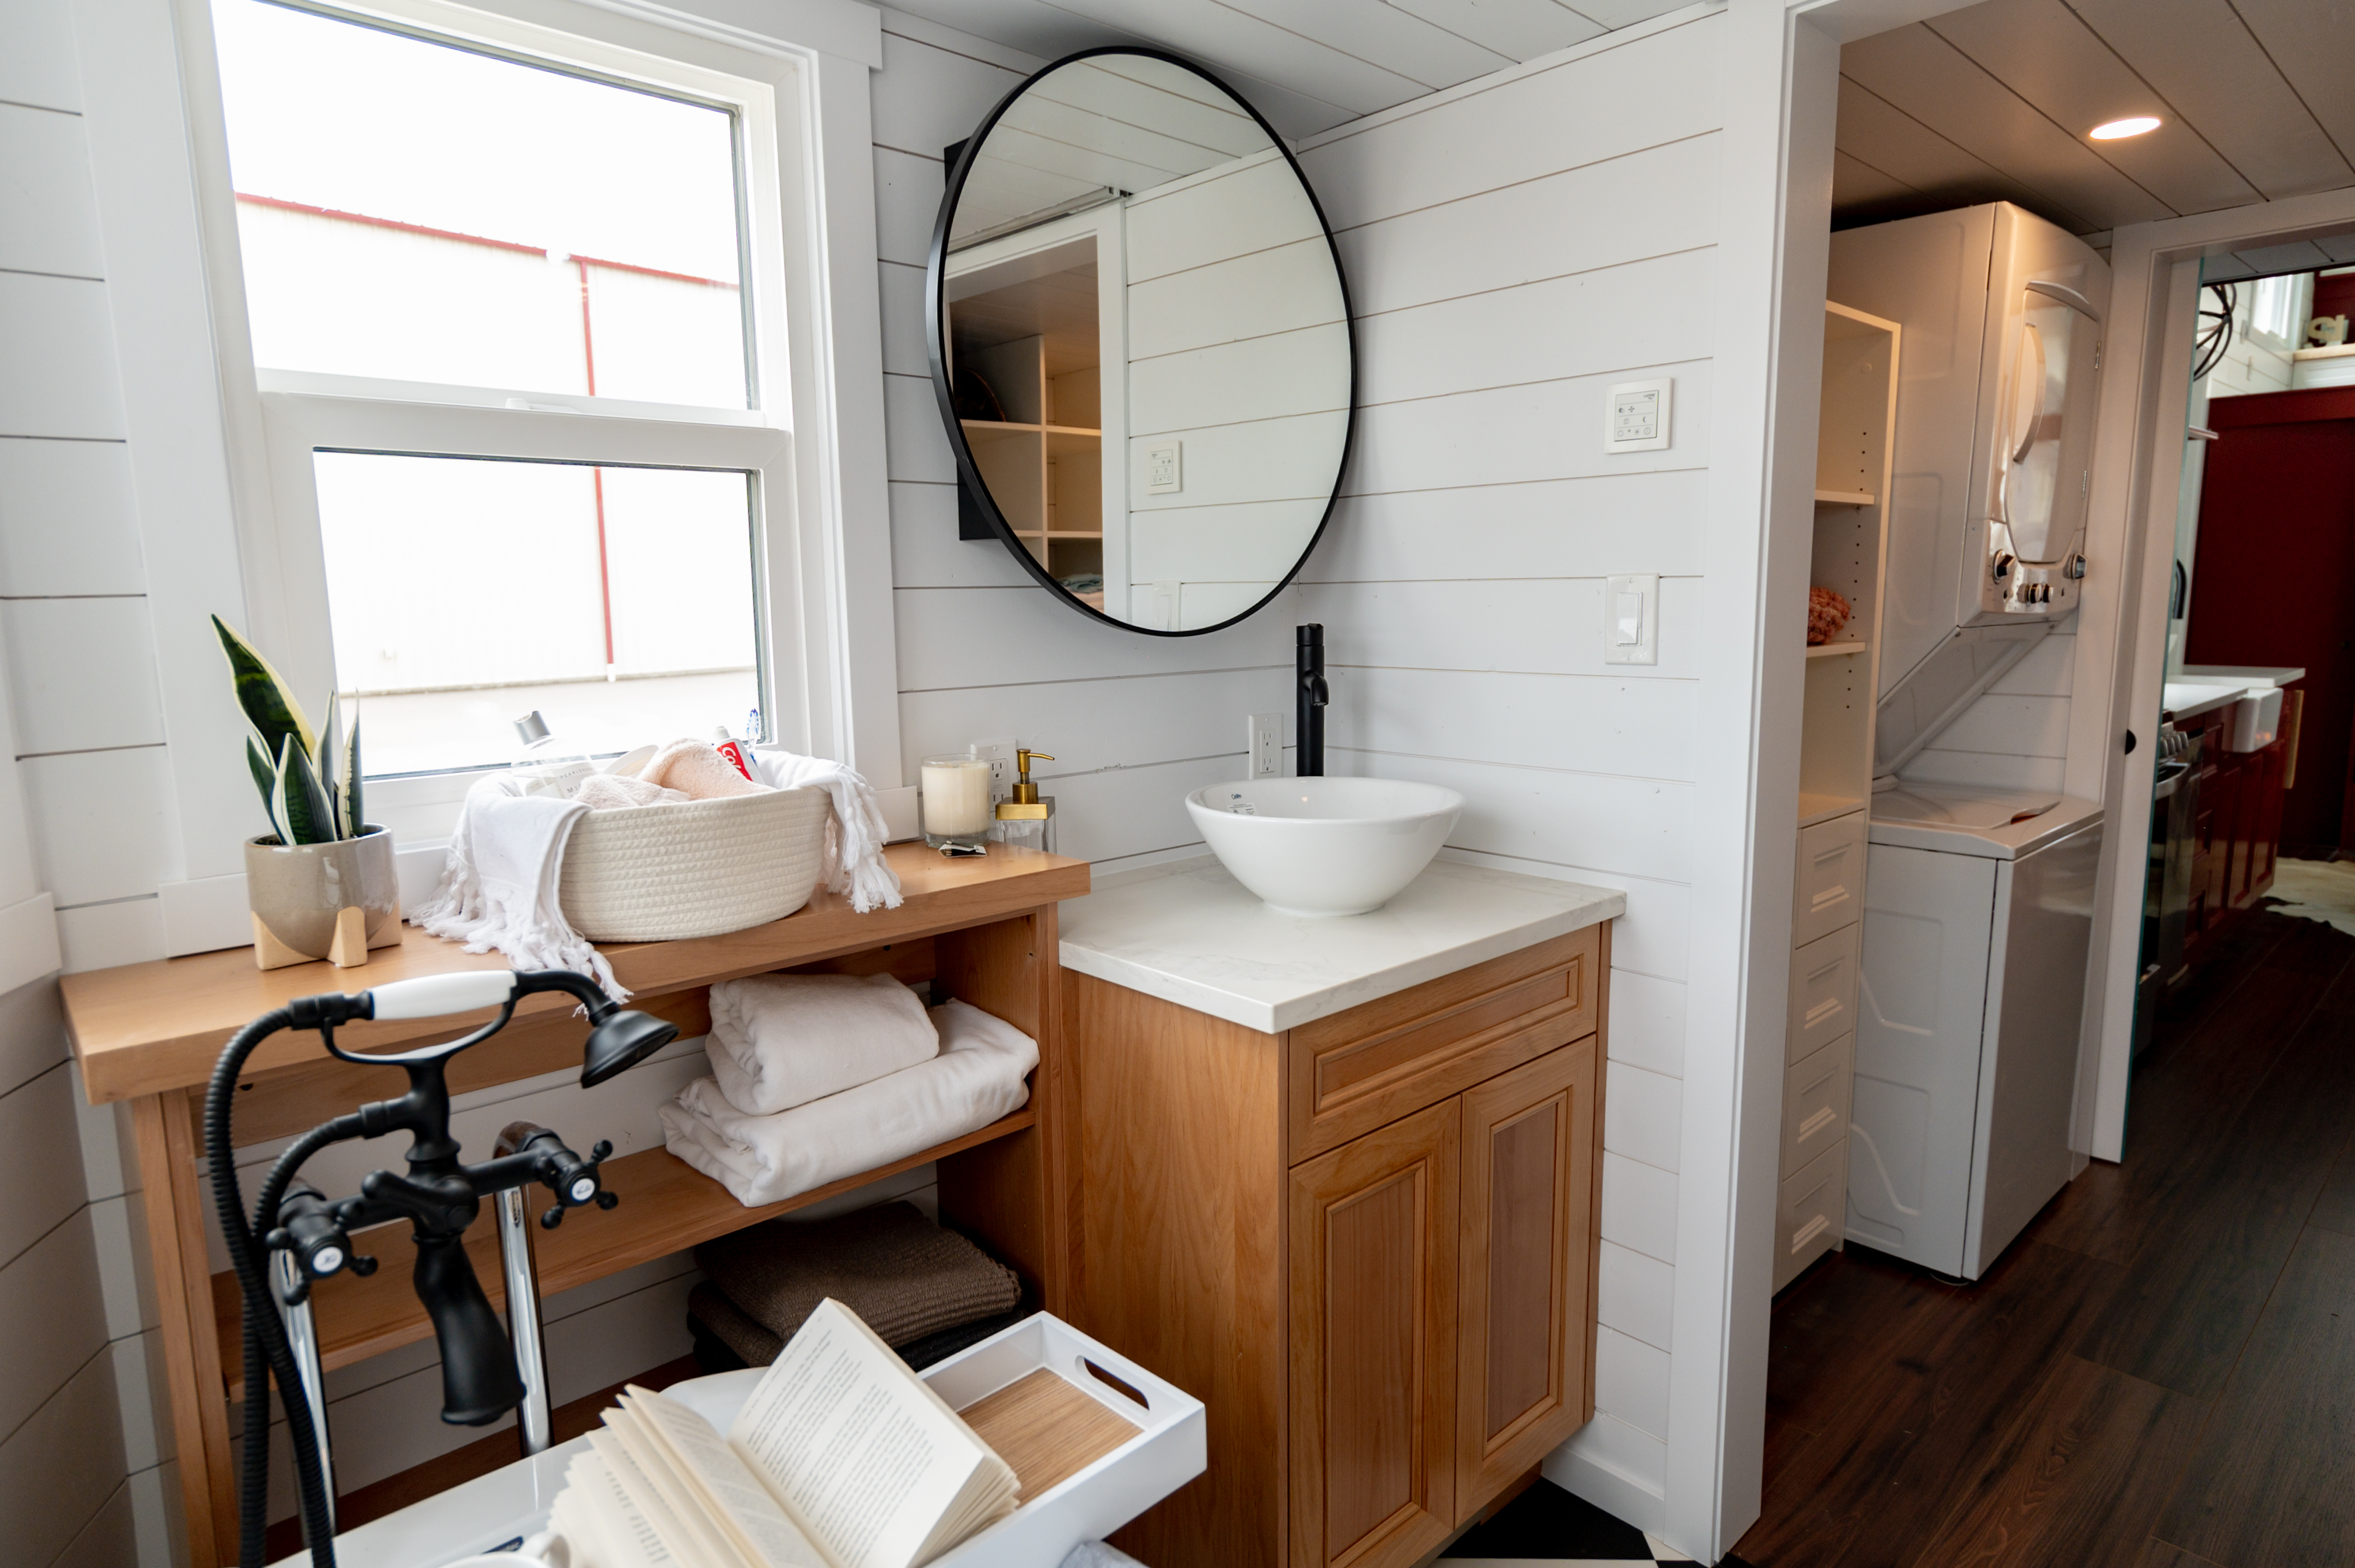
266	1345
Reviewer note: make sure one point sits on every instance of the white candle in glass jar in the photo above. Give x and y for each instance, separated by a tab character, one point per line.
956	795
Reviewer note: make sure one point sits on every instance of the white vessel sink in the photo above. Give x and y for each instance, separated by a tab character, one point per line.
1325	846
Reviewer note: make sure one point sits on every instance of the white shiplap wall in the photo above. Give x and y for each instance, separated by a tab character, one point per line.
81	1477
1515	246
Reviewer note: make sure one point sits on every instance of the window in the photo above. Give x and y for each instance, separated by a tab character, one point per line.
2277	310
508	323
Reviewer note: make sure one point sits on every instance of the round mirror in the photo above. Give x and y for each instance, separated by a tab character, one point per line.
1141	343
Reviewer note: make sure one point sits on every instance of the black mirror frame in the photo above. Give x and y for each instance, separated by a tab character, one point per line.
969	480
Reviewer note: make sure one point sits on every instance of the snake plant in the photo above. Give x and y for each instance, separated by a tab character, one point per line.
309	780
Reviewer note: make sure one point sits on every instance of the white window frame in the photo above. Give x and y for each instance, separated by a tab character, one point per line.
816	447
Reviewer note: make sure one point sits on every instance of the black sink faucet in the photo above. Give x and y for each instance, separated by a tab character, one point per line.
1309	657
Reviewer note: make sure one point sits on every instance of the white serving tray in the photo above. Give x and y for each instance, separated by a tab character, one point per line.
1169	1449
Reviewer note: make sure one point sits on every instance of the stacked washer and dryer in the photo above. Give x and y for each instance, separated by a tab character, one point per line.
1978	902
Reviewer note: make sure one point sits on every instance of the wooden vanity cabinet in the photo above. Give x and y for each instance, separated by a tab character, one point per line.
1368	1244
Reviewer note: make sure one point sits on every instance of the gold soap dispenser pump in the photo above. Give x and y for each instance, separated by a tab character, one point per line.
1028	817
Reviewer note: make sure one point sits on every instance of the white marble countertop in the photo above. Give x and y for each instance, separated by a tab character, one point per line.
2190	699
2243	674
1189	933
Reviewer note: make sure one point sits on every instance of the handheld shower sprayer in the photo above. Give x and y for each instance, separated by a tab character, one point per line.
300	1237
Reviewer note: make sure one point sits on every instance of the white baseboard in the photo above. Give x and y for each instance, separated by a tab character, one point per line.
1615	1493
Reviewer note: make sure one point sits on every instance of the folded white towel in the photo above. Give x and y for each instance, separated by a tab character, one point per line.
853	839
498	887
976	1078
782	1040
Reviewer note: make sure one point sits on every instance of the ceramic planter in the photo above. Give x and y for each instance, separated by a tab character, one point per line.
329	901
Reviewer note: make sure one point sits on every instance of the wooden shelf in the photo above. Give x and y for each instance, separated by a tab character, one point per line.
1844	497
1836	649
1015	427
145	1028
668	1206
1814	809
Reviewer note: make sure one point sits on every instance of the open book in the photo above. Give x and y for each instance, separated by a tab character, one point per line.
842	1459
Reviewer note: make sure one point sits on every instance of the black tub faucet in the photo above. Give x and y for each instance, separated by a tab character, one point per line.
1309	657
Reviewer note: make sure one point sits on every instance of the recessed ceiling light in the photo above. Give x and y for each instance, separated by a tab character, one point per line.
2116	130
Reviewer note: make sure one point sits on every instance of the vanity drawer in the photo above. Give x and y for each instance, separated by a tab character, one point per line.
1823	994
1358	1070
1830	892
1816	1101
1811	1213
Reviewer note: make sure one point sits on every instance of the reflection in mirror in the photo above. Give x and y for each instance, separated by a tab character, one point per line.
1144	342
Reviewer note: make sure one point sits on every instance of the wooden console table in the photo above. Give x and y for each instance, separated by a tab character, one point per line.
149	1034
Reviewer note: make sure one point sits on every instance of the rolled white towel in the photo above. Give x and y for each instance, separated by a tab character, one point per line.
782	1040
976	1078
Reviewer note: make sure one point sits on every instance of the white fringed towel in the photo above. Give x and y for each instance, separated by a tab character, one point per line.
976	1078
498	887
782	1040
853	839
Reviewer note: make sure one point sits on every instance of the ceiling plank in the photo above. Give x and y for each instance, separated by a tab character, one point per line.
2298	256
1219	34
1876	132
1051	31
1383	36
1613	14
1943	88
1517	30
2203	60
2042	51
2312	43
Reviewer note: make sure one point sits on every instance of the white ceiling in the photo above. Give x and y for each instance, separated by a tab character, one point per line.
1307	65
1992	103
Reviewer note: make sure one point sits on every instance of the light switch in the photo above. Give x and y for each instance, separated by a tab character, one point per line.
1165	473
1637	419
1631	620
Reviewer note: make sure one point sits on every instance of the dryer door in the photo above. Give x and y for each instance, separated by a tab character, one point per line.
2045	437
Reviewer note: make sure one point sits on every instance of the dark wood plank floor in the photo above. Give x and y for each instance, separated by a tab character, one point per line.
2160	1373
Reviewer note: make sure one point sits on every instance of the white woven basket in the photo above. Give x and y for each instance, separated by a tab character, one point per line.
693	868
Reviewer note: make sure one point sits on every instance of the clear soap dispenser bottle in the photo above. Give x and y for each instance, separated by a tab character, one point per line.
549	764
1027	817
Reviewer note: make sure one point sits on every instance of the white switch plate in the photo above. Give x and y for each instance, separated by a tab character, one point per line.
1000	755
1267	744
1631	619
1164	467
1637	417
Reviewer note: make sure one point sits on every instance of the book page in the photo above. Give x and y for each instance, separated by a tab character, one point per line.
648	1481
603	1528
738	1496
867	1456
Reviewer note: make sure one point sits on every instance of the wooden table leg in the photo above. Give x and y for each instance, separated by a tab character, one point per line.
175	1241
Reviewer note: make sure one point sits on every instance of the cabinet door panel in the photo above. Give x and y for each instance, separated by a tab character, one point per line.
1529	1175
1373	1250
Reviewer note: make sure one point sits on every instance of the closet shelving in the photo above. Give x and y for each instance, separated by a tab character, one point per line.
1044	461
1852	471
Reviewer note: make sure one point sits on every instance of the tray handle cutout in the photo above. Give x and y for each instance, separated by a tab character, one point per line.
1117	1385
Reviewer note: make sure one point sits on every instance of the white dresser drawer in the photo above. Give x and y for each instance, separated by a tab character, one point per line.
1810	1214
1814	1102
1830	890
1823	994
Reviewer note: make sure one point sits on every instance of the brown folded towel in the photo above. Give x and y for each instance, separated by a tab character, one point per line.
754	1345
905	1276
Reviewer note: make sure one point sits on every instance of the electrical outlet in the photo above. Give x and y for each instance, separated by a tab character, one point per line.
1000	756
1267	744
